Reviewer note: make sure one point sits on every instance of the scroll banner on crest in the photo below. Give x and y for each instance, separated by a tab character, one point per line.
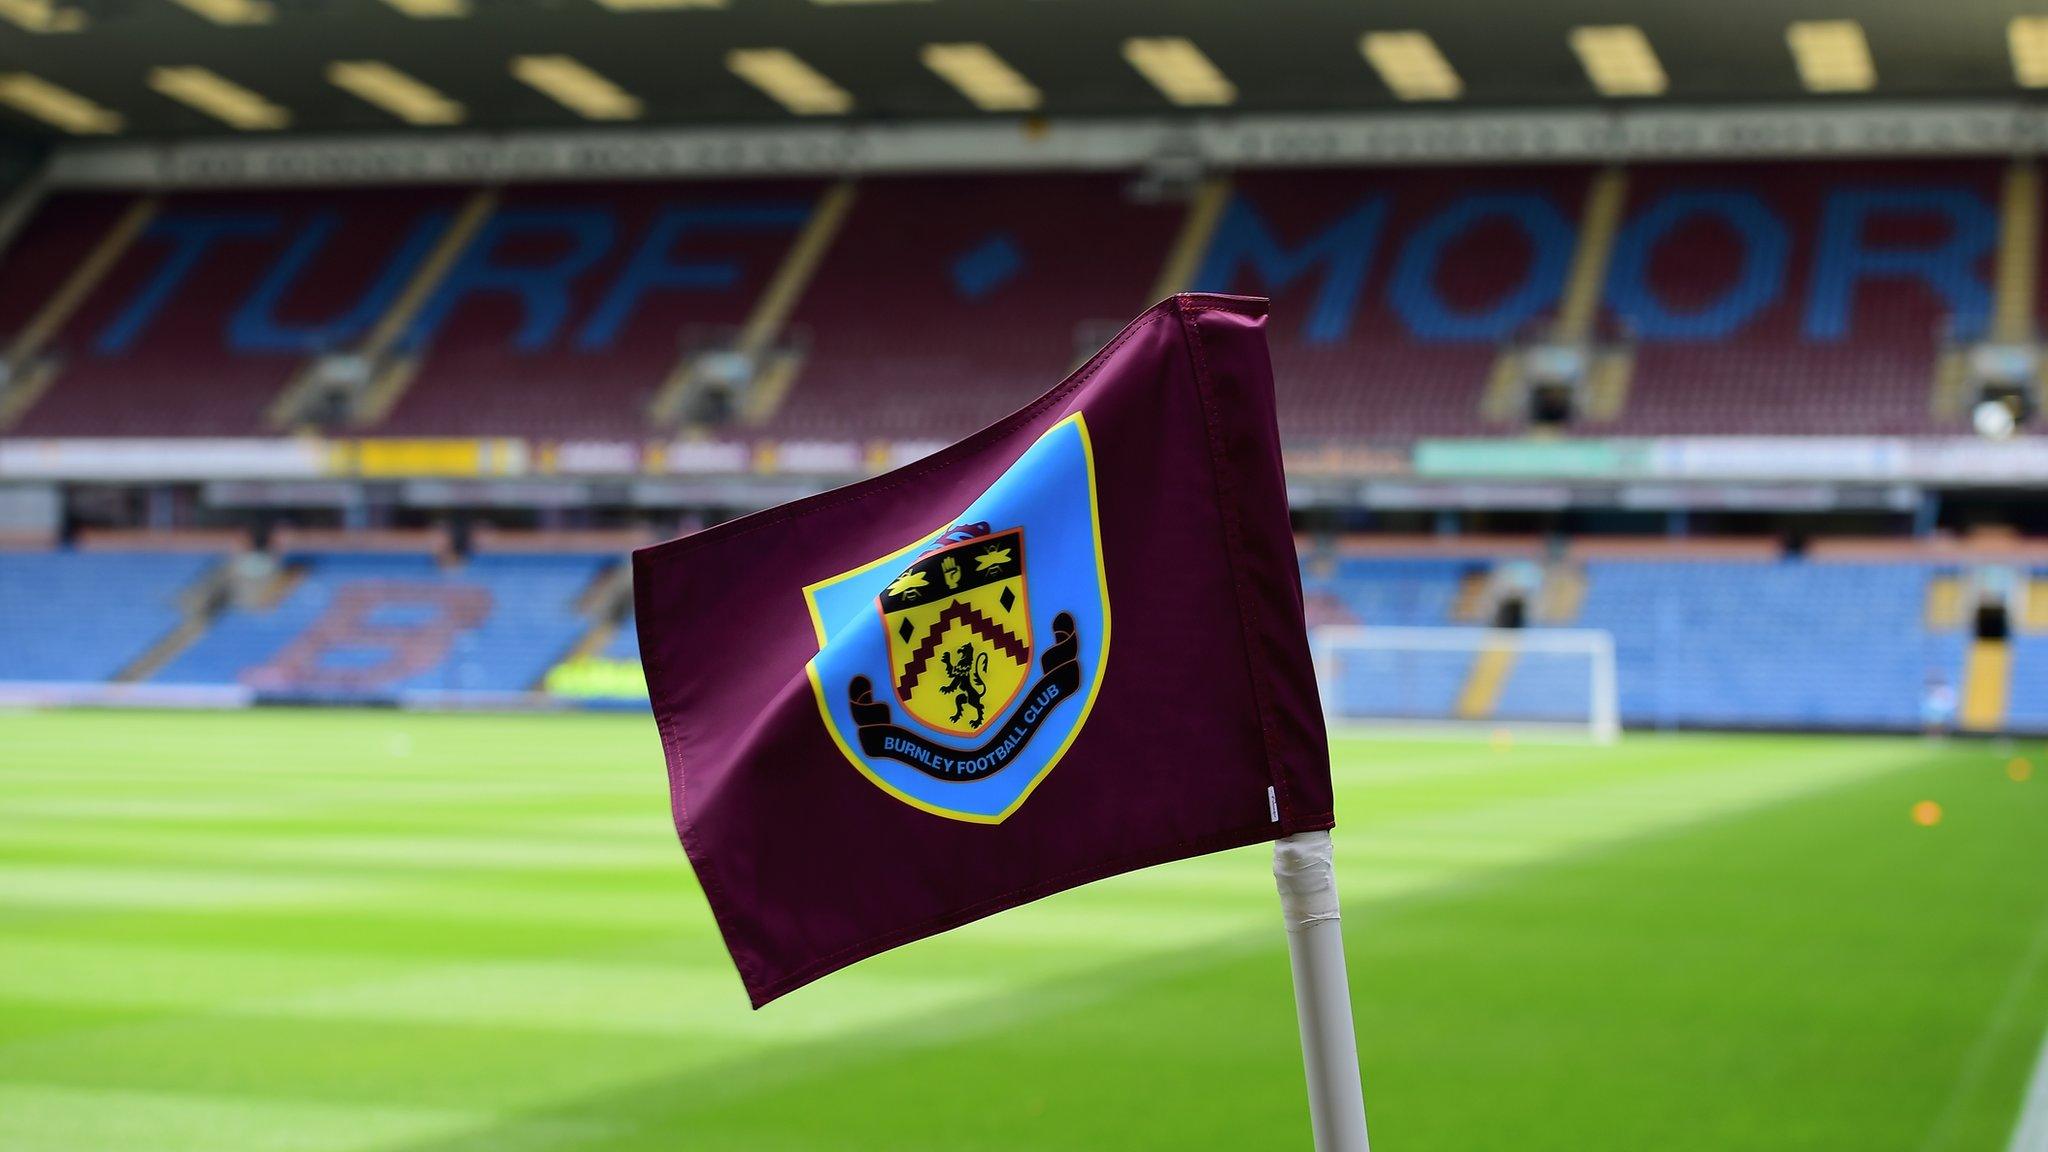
1066	647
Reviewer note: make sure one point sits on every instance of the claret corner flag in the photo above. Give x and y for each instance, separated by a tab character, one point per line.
1068	646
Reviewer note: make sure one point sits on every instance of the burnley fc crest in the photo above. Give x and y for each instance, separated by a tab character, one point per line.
955	672
959	629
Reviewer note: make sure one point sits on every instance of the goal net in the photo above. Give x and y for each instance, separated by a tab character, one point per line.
1552	680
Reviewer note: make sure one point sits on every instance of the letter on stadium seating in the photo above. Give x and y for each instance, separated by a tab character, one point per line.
190	237
1414	289
543	288
255	326
650	266
1844	261
1344	250
1761	240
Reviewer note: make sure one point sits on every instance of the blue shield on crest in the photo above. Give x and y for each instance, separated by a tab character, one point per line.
956	671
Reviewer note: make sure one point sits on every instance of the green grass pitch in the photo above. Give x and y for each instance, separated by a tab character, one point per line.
369	932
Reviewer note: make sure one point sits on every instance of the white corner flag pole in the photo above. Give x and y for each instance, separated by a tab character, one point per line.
1307	875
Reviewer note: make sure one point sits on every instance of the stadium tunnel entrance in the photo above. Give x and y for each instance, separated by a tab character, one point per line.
1992	620
1511	611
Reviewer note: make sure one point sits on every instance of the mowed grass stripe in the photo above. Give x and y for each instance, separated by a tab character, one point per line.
152	886
328	741
637	992
1395	855
584	993
1779	966
371	1064
458	798
1120	917
453	850
360	931
655	999
133	975
35	1118
1510	833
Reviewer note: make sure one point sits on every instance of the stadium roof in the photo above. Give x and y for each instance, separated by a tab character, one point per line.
149	69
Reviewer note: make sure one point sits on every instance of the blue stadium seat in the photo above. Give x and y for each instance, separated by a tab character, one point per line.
80	616
625	643
1789	644
1786	644
2027	706
1548	686
1395	590
530	620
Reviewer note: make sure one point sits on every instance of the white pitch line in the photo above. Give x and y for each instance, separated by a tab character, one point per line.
1977	1064
2032	1133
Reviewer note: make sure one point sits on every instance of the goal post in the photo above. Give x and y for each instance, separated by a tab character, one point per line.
1559	681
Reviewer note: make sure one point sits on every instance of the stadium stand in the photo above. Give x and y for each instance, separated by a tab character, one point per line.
1544	686
1727	637
1810	298
2029	700
625	643
1699	643
85	616
381	625
574	305
994	302
1770	644
1398	591
1822	298
1400	286
200	321
1391	590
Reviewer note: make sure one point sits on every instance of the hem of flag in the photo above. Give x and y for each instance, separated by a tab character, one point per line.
1224	415
760	993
